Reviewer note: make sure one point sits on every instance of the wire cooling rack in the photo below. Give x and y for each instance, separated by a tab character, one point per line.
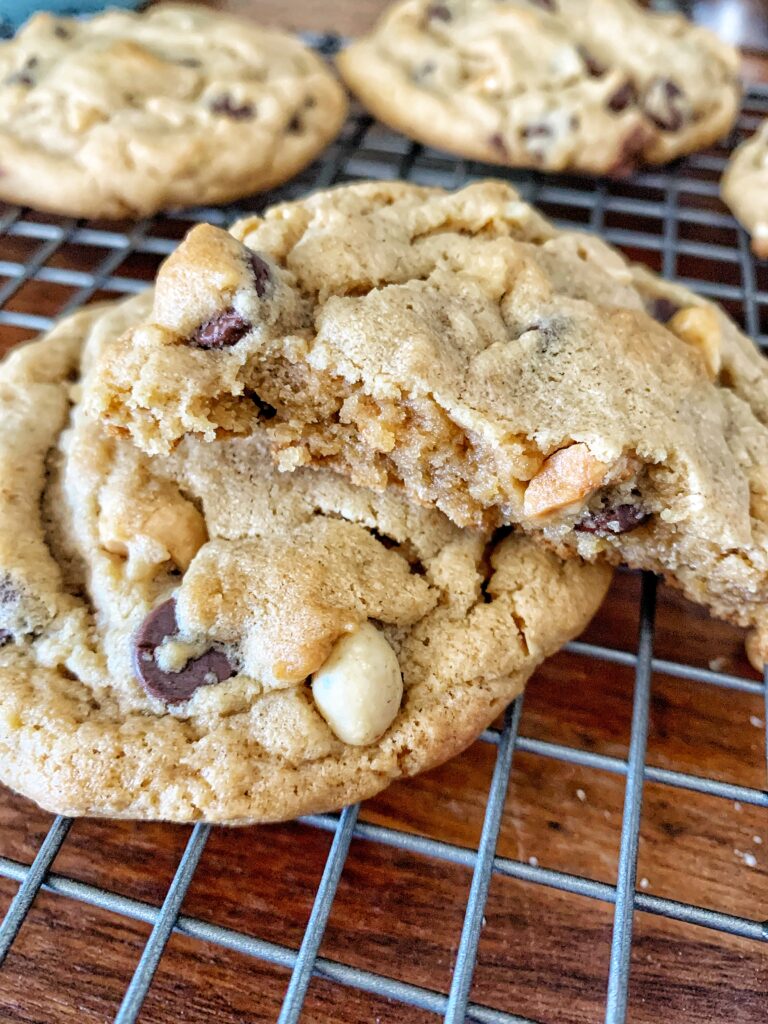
670	219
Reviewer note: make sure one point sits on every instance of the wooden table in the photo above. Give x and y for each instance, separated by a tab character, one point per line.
543	954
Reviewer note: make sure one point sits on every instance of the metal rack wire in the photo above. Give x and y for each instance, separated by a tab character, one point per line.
671	219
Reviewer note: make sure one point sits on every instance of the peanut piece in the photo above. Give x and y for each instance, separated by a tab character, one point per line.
170	529
699	327
567	476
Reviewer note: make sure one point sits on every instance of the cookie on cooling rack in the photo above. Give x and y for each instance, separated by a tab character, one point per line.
745	188
125	114
499	369
594	86
198	636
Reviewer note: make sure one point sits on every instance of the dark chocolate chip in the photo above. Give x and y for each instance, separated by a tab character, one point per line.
295	125
226	106
61	33
262	275
662	106
625	96
172	687
221	331
593	66
266	411
608	521
8	591
497	141
439	12
537	131
19	78
631	149
5	637
423	71
662	309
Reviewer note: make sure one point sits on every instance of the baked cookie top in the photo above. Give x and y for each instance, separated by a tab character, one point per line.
123	114
745	188
595	86
198	636
501	370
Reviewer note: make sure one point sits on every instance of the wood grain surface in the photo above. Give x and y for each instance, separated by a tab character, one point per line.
543	954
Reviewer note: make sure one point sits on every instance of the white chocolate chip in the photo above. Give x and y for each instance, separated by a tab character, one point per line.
359	688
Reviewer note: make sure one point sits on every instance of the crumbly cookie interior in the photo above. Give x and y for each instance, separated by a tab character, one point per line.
459	346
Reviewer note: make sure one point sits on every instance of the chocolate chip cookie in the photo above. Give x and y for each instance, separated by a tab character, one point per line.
745	188
499	369
197	636
124	114
595	86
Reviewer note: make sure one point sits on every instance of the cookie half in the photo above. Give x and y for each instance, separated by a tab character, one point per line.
123	114
595	86
745	188
198	636
499	369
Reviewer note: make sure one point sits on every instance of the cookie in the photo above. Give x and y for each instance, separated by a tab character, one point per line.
744	188
594	86
124	114
497	368
198	636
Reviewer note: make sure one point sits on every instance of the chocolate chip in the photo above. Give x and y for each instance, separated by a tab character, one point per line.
662	309
8	592
61	33
593	66
439	12
19	78
295	125
172	687
262	275
664	104
5	637
190	62
537	131
497	141
608	521
625	96
310	102
423	71
221	331
227	107
631	148
266	411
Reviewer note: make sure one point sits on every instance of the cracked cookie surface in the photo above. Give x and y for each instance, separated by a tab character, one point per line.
501	370
744	188
596	86
125	114
197	636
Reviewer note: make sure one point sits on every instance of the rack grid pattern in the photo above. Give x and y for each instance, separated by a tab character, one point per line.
670	218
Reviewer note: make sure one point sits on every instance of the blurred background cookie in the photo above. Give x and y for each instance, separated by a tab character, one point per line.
125	114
